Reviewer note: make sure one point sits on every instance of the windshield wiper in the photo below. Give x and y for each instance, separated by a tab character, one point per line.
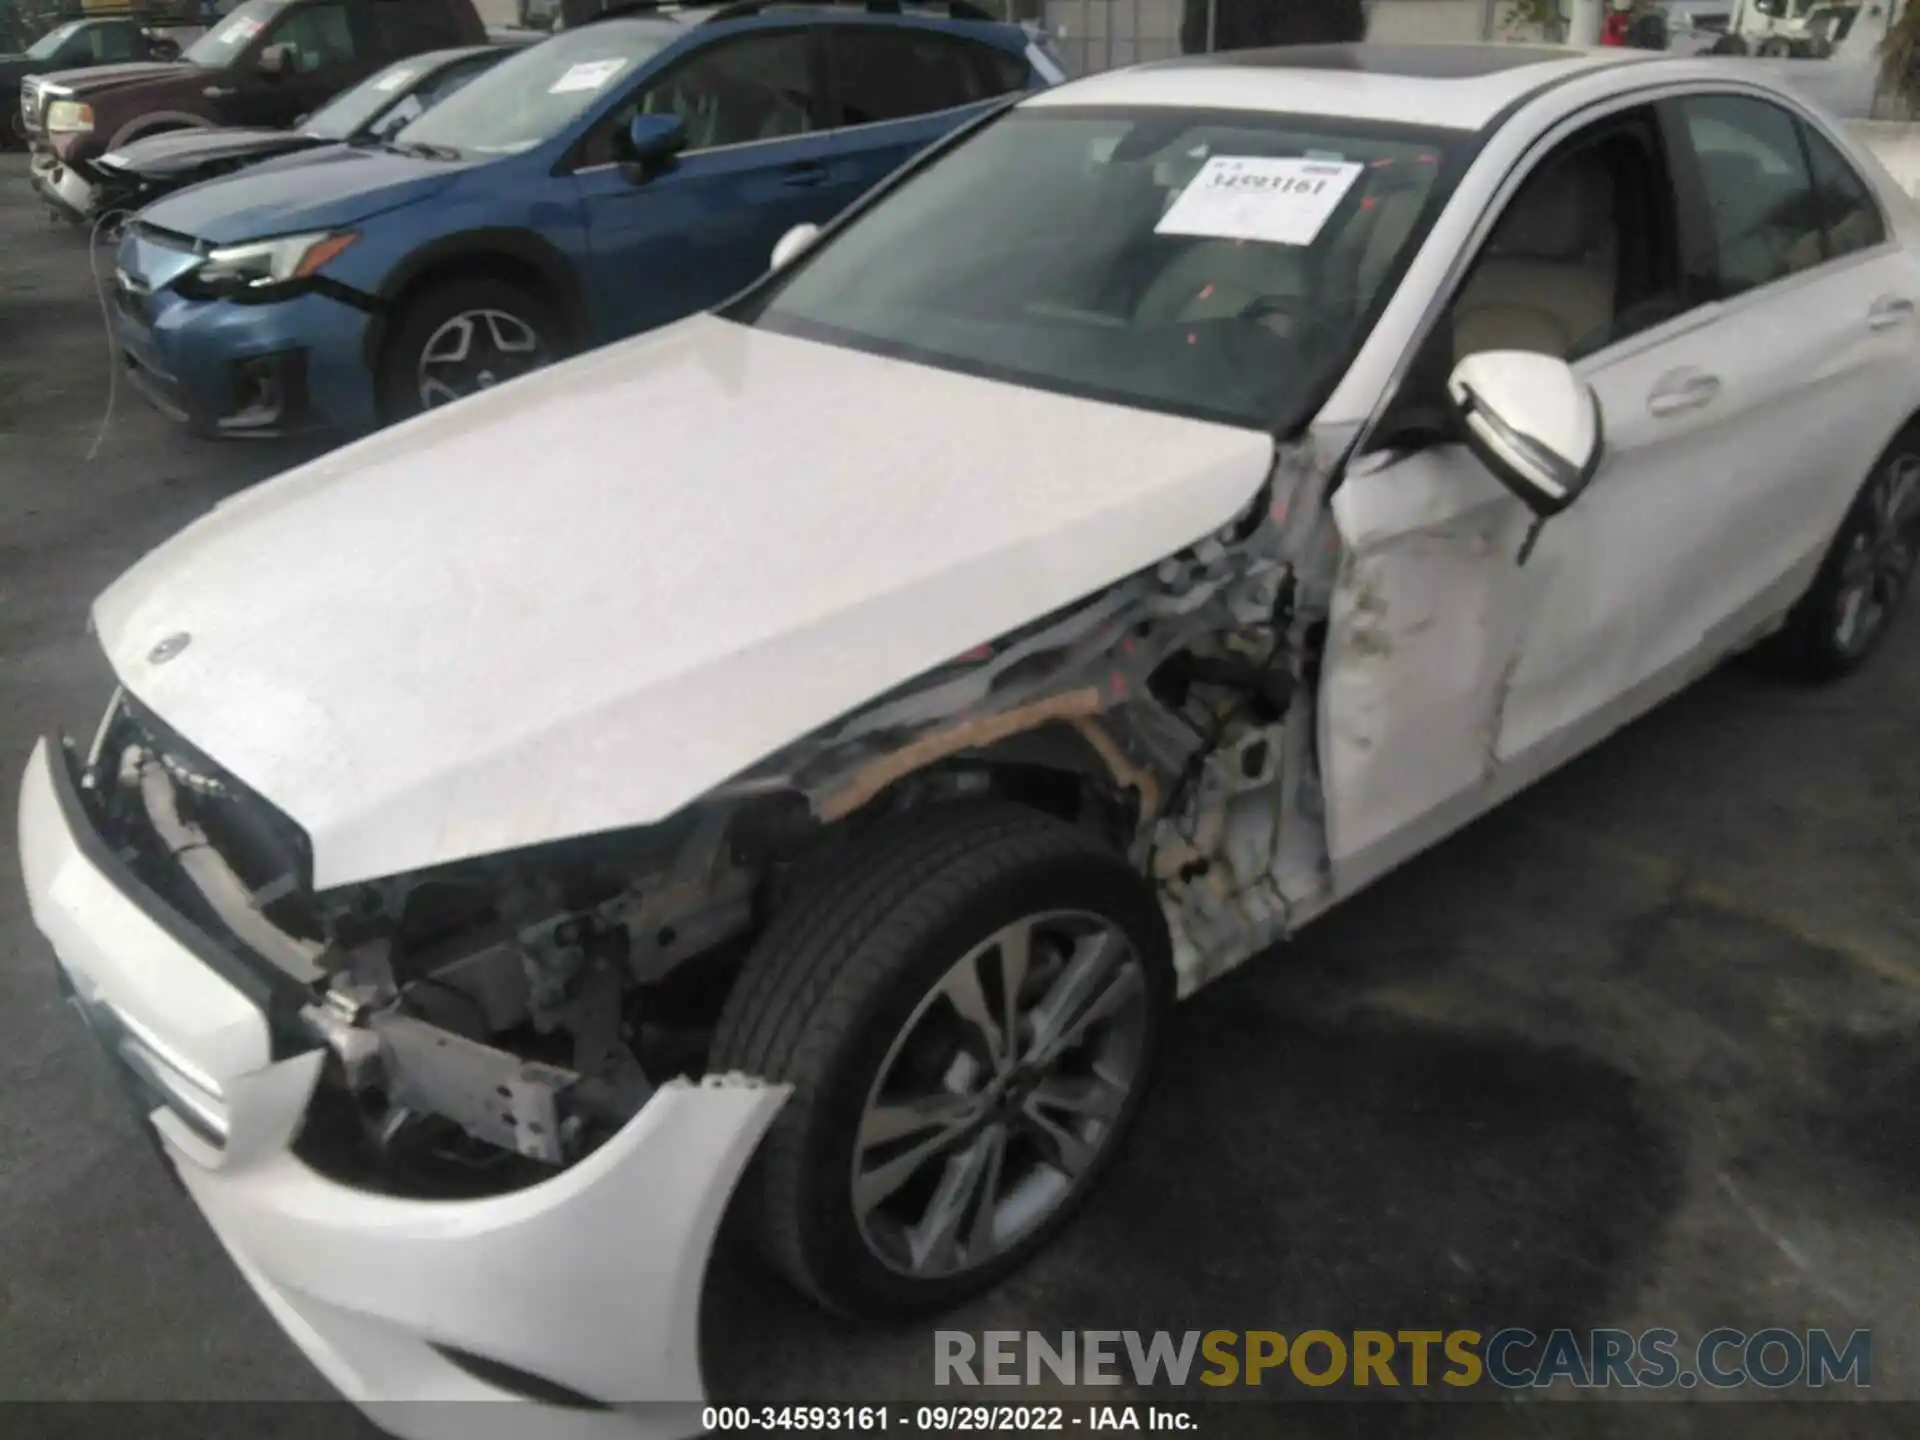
423	150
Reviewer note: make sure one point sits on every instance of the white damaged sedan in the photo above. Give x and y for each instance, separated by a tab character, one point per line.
800	755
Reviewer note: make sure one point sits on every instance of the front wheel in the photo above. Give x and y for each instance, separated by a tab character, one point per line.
461	338
1865	576
967	1007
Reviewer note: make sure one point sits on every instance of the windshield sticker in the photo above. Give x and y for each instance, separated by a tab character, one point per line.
240	31
587	75
395	80
1255	197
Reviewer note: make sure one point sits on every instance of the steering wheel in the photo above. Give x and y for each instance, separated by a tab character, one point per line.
1304	323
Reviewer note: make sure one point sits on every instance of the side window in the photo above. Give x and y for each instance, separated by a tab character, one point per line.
317	35
114	43
1005	71
758	87
1585	253
895	72
1847	208
1753	177
404	27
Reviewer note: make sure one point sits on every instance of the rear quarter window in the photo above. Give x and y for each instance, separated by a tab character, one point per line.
895	72
1004	70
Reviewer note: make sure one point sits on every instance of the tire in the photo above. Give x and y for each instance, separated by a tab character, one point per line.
849	987
1868	569
498	314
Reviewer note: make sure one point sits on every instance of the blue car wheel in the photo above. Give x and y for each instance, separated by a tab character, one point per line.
462	337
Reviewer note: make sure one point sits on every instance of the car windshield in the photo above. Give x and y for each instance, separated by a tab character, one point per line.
223	44
341	116
1207	263
528	99
45	47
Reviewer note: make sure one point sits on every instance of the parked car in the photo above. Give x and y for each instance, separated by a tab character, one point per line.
266	63
373	111
617	176
820	738
76	45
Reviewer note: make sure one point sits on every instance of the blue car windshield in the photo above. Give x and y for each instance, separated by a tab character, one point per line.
48	44
340	117
528	99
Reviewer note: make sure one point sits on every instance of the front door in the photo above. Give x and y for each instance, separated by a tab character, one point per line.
322	57
758	162
1454	673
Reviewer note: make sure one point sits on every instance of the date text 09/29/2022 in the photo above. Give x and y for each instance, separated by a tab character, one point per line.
946	1419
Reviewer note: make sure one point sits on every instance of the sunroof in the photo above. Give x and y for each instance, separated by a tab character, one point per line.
1426	62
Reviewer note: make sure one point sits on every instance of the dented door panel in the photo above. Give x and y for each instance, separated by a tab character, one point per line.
1422	631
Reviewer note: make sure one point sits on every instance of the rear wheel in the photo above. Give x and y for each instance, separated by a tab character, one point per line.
463	337
967	1008
1865	576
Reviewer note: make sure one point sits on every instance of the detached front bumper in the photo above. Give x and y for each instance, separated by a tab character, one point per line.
67	192
583	1290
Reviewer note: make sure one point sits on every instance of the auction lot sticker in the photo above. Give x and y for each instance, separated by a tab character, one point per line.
587	75
1257	197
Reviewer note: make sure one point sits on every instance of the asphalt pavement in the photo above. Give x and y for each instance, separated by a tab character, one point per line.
1638	1050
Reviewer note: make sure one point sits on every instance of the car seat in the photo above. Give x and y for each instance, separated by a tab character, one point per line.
1546	280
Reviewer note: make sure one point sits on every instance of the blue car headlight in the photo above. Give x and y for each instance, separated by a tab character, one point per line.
262	269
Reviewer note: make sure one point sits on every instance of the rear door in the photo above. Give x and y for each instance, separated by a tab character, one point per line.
1817	353
899	87
758	162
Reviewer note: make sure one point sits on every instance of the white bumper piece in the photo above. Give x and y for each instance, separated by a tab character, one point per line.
590	1281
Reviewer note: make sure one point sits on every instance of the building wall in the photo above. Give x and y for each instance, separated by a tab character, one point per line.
1102	34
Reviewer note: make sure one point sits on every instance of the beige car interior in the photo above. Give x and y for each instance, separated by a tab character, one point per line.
1546	280
720	108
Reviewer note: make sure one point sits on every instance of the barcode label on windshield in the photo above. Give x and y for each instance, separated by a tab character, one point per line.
1255	197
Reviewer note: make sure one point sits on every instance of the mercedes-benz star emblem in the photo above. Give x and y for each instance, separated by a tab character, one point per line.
168	648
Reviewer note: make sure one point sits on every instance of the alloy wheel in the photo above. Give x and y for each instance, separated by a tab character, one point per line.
1880	556
475	350
999	1093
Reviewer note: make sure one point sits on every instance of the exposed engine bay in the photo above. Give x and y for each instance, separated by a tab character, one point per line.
499	1018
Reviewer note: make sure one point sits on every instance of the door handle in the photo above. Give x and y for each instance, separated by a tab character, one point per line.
1888	311
218	92
805	172
1680	390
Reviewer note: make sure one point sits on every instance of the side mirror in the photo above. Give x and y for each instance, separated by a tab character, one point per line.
276	60
792	245
654	139
1532	422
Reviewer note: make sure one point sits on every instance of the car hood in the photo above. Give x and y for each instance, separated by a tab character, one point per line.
316	189
182	152
583	600
98	79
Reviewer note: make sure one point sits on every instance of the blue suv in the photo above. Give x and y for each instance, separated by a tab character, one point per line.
621	174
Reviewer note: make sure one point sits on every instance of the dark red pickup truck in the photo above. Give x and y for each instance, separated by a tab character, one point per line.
265	64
